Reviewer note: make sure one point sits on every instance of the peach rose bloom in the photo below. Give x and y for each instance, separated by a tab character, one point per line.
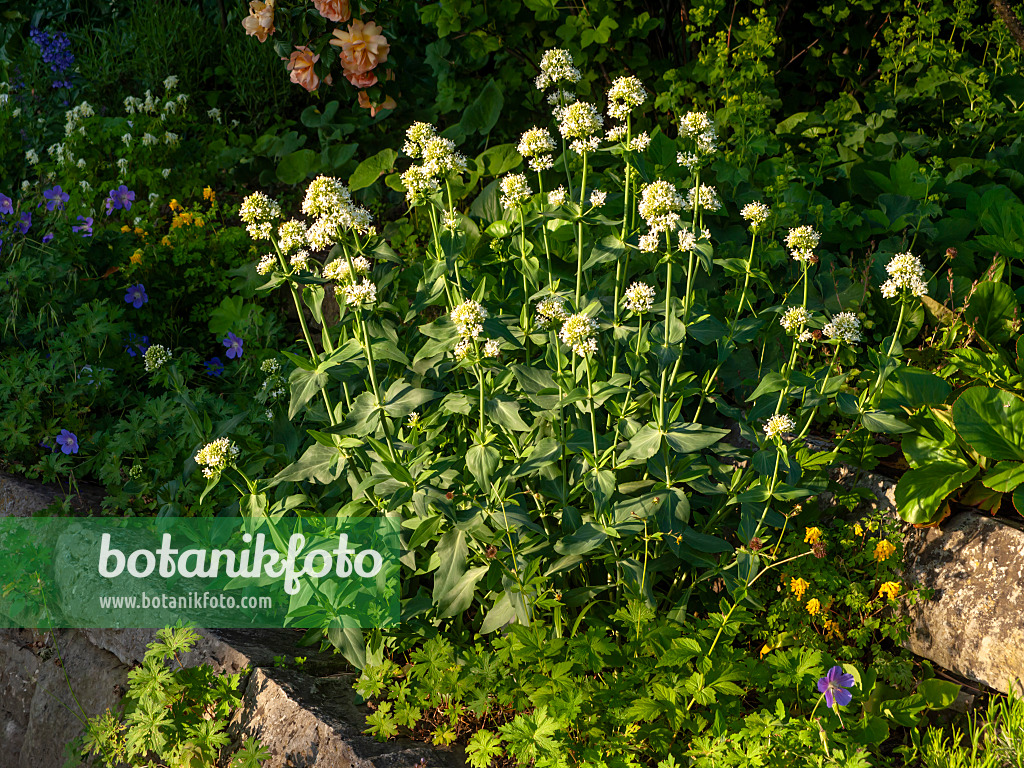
334	10
300	64
363	46
260	21
361	79
364	102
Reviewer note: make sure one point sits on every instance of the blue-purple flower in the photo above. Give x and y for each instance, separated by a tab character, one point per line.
55	198
47	237
25	223
6	204
68	442
214	367
119	198
136	295
234	345
85	227
133	344
834	685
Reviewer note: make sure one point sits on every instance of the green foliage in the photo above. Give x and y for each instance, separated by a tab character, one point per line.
177	716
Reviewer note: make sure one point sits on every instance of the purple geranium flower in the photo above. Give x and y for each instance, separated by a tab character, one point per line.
119	198
85	228
26	222
234	345
55	198
136	295
214	367
67	441
6	204
834	685
134	344
47	237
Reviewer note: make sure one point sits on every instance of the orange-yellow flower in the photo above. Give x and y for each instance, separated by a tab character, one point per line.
798	587
365	103
137	257
811	536
334	10
166	241
126	228
209	194
300	64
813	606
832	629
889	589
361	79
363	46
173	205
260	21
884	550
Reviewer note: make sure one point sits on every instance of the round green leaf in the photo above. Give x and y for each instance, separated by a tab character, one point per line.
991	421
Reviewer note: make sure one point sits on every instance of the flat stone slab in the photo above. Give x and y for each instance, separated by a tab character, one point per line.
974	624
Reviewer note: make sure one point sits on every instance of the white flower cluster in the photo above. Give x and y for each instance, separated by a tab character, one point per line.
419	184
32	157
149	140
61	154
357	294
515	191
556	66
802	241
778	425
300	260
323	195
700	129
156	356
469	318
579	332
170	139
756	213
905	273
706	198
258	211
330	200
74	117
537	145
843	327
440	160
794	318
217	456
273	386
557	196
267	262
639	298
291	235
581	121
338	270
170	82
660	204
214	114
639	142
551	313
598	197
624	96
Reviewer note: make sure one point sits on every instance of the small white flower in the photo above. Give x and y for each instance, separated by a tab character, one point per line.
267	263
756	213
649	242
557	196
580	121
270	365
660	204
802	241
300	260
291	235
32	157
122	164
462	348
583	146
626	94
217	456
492	348
165	172
794	318
414	420
778	425
85	185
358	294
552	312
640	142
707	198
556	66
170	82
805	336
905	273
417	135
155	357
127	139
515	191
419	184
536	141
844	327
338	270
323	195
81	163
257	212
688	240
597	198
214	114
469	317
639	298
615	133
149	140
579	331
171	139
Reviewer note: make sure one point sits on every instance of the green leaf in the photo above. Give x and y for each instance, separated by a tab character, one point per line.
643	445
585	539
505	411
294	168
459	598
992	310
939	694
319	463
483	748
482	461
501	613
499	159
877	421
305	385
991	421
913	387
919	492
368	171
1004	476
681	651
690	438
402	399
483	113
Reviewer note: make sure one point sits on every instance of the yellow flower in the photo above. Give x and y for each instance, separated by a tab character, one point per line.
166	241
884	550
174	205
137	257
889	589
126	228
798	587
139	231
857	529
832	629
199	222
209	194
813	606
811	536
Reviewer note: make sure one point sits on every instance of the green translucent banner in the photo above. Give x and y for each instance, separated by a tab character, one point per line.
209	572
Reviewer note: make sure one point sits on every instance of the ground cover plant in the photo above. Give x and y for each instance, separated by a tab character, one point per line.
579	355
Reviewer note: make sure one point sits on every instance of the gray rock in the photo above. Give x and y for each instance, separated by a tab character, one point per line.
973	624
308	722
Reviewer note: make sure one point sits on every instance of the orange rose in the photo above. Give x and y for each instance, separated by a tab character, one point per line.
364	102
363	46
300	64
361	79
333	10
260	21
